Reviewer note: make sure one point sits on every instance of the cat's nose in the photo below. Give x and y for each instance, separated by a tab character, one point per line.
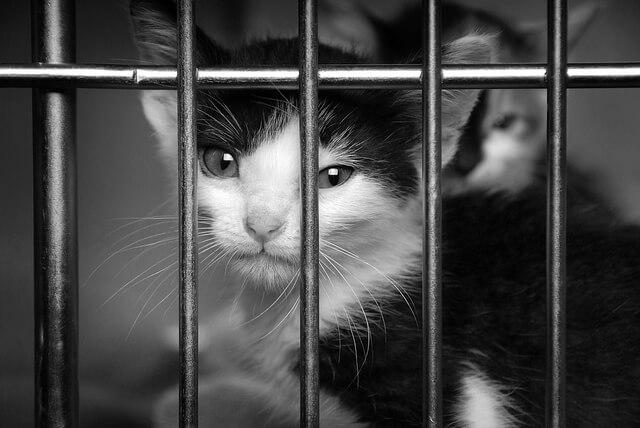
263	229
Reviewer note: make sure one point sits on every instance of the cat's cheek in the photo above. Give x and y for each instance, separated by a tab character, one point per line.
223	201
360	202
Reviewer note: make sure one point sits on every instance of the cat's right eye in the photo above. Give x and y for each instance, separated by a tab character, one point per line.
220	163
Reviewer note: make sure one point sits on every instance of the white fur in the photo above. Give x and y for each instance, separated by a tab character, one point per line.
483	403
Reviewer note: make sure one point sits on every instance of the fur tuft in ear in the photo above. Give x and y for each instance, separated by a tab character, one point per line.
156	35
154	29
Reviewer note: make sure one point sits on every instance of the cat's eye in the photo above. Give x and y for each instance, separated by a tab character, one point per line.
334	176
220	163
505	121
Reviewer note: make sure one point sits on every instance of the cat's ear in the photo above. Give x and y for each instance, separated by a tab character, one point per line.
156	36
457	104
579	18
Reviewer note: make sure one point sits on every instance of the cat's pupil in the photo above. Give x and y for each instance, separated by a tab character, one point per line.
334	176
225	161
219	163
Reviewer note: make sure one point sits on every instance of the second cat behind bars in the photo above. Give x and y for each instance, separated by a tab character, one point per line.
371	260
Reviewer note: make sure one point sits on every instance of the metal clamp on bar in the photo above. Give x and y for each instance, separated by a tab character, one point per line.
188	216
432	208
556	214
55	222
309	239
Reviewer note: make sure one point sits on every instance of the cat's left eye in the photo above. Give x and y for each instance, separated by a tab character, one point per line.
334	176
220	163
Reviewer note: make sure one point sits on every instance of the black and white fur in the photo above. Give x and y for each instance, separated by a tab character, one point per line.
371	244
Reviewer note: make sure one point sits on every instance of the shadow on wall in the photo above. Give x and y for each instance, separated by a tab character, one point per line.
128	304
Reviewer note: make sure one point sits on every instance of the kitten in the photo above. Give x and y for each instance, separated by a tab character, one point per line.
504	145
371	250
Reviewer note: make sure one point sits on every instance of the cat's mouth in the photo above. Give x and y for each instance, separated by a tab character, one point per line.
266	256
266	269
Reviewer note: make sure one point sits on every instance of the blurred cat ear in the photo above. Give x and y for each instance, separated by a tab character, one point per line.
579	20
457	104
156	36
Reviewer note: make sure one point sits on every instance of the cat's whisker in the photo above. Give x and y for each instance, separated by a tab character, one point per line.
405	296
138	230
326	273
146	303
159	279
364	313
282	297
214	255
171	293
365	287
136	280
170	305
236	300
294	307
128	247
147	249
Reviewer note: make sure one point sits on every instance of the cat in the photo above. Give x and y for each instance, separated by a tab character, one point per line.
371	251
504	145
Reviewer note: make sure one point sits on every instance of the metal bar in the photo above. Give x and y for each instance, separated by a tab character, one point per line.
556	214
432	206
309	244
614	75
188	216
55	222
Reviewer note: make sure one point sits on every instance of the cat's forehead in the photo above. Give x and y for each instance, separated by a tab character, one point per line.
360	130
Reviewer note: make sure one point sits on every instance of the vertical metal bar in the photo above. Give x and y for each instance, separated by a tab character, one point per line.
188	216
309	323
432	206
55	222
556	213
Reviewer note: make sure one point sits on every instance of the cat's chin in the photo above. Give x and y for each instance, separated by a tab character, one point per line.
266	271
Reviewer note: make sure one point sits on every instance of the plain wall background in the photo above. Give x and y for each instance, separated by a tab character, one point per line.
121	177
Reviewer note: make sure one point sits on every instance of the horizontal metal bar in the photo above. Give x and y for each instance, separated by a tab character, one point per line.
602	75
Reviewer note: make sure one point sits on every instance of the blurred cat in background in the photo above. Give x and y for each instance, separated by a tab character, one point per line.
504	145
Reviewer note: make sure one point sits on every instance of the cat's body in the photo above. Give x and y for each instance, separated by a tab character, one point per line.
371	250
494	327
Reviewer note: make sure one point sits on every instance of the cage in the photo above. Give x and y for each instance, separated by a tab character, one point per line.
55	179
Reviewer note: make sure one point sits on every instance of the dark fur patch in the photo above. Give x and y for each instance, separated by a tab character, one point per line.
494	317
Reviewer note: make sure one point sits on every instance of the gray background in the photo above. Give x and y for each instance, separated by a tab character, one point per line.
121	177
